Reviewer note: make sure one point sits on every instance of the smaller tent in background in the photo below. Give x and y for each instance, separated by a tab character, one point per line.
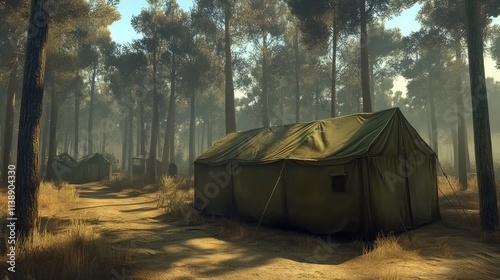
64	163
91	168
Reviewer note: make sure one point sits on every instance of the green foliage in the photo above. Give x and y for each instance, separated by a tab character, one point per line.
495	48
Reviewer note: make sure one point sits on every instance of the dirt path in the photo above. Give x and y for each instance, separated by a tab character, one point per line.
162	247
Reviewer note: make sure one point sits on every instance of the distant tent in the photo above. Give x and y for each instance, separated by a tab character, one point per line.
91	168
358	175
64	164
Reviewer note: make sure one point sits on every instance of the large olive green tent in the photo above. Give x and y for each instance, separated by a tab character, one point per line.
91	168
359	175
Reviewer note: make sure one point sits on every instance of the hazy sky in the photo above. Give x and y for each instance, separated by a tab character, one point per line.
122	31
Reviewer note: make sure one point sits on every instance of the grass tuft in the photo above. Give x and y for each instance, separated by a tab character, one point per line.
53	197
175	195
384	247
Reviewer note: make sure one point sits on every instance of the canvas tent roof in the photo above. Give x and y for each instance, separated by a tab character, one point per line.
334	140
93	157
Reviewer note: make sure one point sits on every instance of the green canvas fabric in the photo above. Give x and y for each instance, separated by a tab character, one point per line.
91	168
334	140
283	175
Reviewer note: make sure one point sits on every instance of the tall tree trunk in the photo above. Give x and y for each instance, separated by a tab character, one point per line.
316	104
467	154
171	135
432	112
167	146
461	133
103	141
45	128
154	125
372	81
209	129
90	133
202	134
335	36
124	145
138	133
143	136
265	95
27	176
130	141
192	135
297	73
365	75
50	175
9	120
77	122
228	71
453	134
488	209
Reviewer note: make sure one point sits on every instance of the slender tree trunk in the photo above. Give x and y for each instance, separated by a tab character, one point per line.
432	108
90	133
365	75
467	154
297	74
453	134
45	128
124	145
154	125
192	135
167	146
209	130
77	122
488	209
103	141
130	141
316	104
9	121
202	134
228	71
171	136
333	97
461	133
50	175
143	136
138	134
27	173
372	81
265	95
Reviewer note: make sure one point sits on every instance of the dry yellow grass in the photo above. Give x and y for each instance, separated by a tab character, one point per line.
122	182
175	195
53	197
75	253
390	274
384	247
65	249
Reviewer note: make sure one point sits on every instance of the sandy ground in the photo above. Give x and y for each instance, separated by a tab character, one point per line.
159	246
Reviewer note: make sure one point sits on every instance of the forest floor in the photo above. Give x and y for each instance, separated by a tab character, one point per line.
156	245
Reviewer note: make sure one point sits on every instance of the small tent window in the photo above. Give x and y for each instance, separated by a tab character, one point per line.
338	178
338	182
